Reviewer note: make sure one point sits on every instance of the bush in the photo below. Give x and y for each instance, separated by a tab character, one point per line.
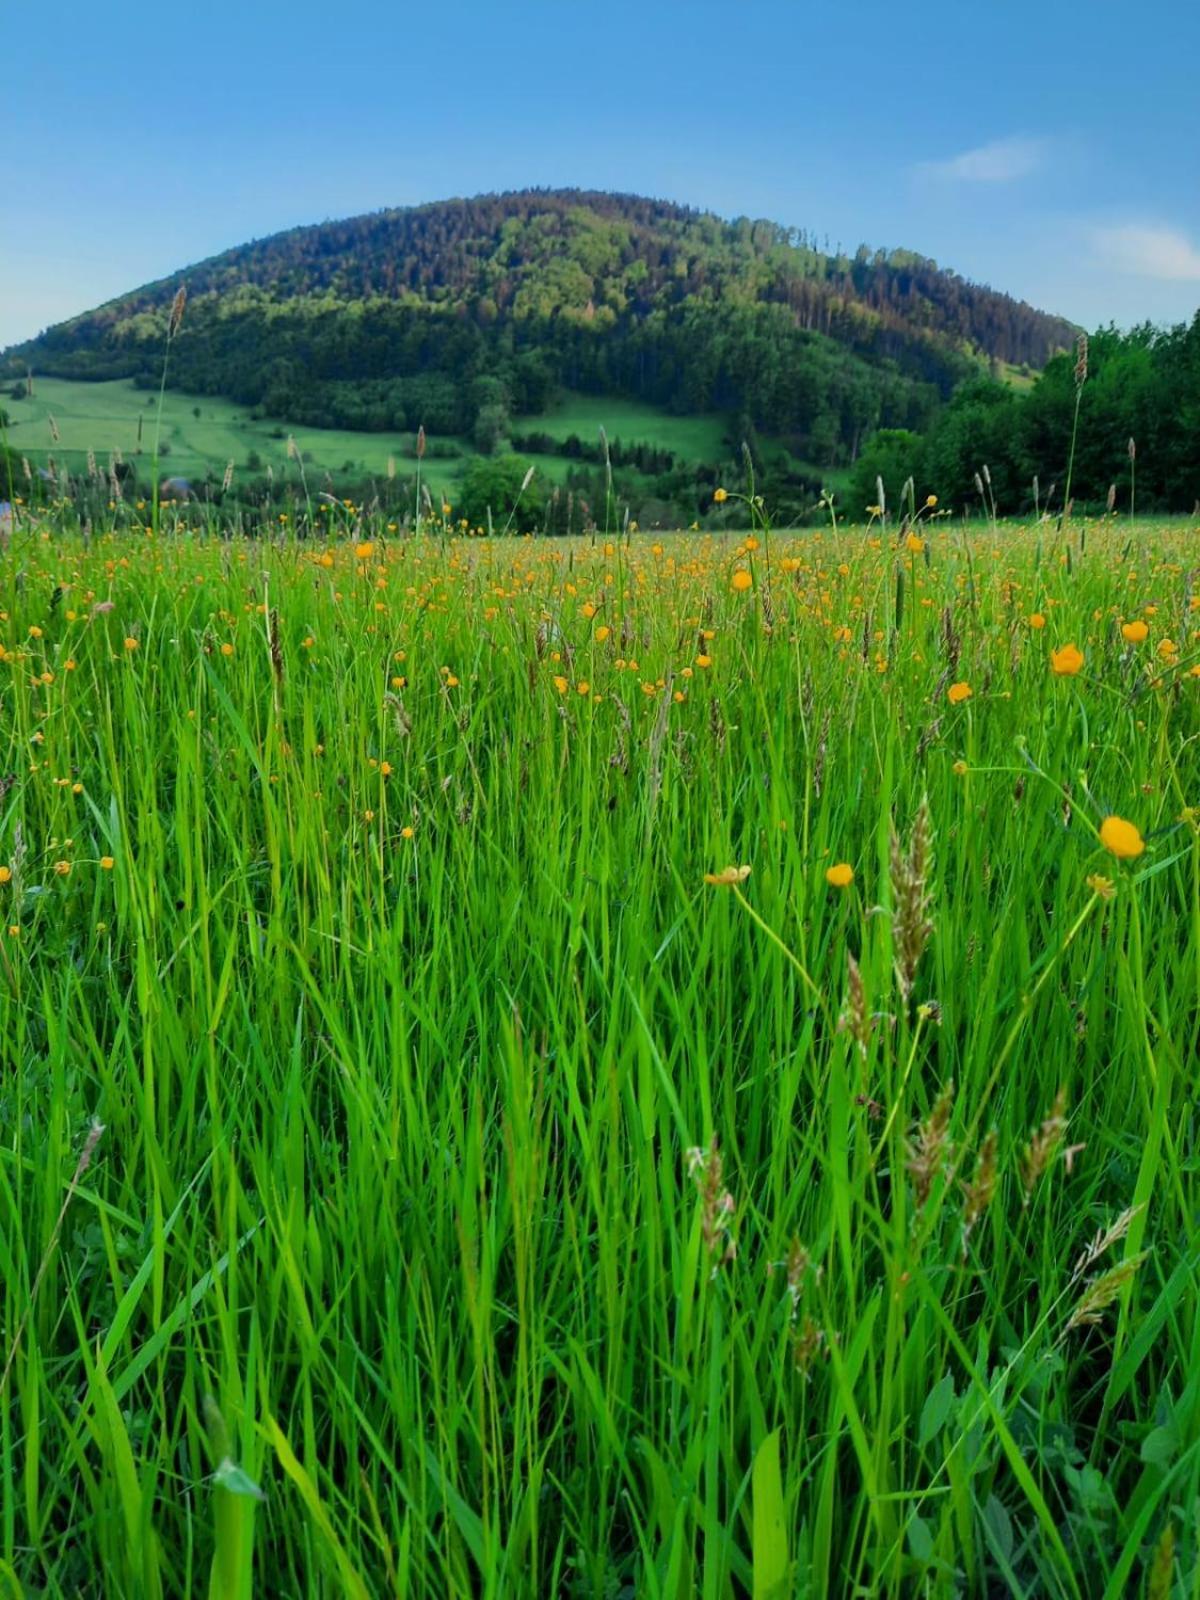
893	454
495	482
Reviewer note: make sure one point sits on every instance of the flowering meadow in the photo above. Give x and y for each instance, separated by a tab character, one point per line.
600	1067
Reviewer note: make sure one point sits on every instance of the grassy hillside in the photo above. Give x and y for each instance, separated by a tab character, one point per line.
104	417
202	433
701	438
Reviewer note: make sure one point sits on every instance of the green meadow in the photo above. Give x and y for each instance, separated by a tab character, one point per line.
202	433
598	1067
693	438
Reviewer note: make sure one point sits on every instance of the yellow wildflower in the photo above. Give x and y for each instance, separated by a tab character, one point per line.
1121	838
1067	661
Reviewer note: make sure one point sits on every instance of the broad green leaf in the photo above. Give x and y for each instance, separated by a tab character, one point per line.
770	1532
935	1410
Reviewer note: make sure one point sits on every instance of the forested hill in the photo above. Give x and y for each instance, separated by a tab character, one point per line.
439	313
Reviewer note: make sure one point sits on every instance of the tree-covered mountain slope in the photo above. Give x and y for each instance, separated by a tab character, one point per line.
463	314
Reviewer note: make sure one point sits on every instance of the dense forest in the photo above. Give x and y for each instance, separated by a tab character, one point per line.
467	314
995	450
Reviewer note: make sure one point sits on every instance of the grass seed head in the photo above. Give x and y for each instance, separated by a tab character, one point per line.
911	898
855	1019
1105	1239
1160	1580
177	305
980	1191
1043	1145
716	1204
276	648
808	1340
1102	1291
930	1149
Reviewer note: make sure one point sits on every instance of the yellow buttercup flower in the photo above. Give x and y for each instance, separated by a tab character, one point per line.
840	875
1067	661
1135	632
1121	838
741	580
958	692
721	496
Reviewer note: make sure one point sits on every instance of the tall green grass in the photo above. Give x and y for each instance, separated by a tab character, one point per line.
404	1263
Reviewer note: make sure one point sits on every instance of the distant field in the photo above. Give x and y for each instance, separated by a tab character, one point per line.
703	438
203	432
695	438
1015	377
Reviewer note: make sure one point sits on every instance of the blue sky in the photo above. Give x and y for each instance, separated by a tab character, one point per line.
1052	149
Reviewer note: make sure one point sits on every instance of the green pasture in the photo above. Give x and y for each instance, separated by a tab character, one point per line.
623	1068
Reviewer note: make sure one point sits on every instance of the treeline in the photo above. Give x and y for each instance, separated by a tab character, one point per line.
1138	433
641	457
401	318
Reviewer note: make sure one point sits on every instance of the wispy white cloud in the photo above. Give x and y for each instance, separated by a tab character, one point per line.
1148	252
1001	161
